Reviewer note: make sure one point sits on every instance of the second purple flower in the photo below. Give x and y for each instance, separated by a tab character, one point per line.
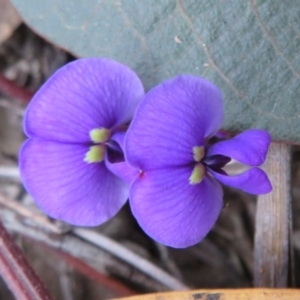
177	197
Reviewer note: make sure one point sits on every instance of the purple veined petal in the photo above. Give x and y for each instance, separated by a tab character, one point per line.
83	95
121	168
172	118
67	188
172	211
119	137
249	147
253	181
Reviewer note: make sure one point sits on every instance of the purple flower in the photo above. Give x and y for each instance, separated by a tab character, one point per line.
177	199
75	125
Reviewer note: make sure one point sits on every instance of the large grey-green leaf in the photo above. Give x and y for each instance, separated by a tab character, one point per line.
250	49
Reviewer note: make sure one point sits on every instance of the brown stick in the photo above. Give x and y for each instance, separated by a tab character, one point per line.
273	222
95	257
16	271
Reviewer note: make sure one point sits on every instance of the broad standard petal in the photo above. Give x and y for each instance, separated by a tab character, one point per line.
249	147
83	95
172	211
171	119
253	181
67	188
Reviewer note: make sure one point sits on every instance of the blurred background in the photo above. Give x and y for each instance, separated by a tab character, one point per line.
73	268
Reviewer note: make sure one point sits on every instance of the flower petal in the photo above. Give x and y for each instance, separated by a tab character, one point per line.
249	147
173	118
121	168
254	181
84	95
172	211
67	188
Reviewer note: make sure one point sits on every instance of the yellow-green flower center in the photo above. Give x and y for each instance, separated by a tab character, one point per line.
96	153
100	135
198	174
199	171
198	153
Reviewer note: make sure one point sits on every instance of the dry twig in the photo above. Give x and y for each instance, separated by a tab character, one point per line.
273	222
130	257
96	258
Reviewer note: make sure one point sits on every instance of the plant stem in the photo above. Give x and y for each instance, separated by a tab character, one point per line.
16	271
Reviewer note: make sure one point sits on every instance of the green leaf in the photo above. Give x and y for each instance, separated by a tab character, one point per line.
249	49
